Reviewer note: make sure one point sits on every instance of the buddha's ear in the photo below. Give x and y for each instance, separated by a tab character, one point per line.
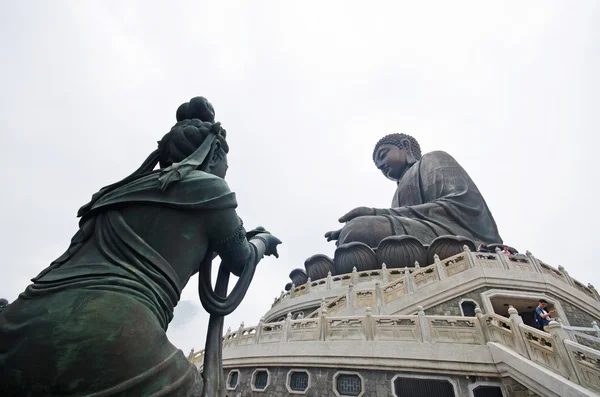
406	145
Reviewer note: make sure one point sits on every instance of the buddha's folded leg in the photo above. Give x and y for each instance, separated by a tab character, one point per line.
88	342
372	229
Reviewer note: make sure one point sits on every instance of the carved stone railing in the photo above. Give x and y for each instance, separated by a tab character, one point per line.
398	282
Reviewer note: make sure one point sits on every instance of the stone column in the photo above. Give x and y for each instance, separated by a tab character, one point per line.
378	296
258	330
471	262
368	324
384	274
286	328
424	325
483	325
558	336
410	287
308	286
324	322
292	290
239	334
354	276
515	322
440	267
329	281
350	298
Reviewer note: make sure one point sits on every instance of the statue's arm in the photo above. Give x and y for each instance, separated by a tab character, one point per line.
227	238
407	211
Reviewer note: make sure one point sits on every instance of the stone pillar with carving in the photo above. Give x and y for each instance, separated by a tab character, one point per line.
350	299
308	282
502	258
483	325
558	337
286	327
410	287
440	267
328	281
324	322
596	328
534	261
515	323
378	296
471	262
258	330
354	276
424	325
292	290
369	324
239	333
566	276
384	274
594	291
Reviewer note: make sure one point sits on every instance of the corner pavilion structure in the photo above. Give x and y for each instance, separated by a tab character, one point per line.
459	327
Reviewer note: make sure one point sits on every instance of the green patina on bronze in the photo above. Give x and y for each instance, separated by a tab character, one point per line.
93	323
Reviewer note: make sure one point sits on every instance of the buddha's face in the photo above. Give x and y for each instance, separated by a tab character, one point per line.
392	161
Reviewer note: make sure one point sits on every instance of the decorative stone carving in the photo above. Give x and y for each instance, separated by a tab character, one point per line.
400	251
447	246
317	266
352	255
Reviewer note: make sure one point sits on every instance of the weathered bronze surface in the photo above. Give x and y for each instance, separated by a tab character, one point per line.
93	323
435	197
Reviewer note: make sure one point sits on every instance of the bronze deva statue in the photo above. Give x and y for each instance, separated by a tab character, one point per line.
93	323
435	197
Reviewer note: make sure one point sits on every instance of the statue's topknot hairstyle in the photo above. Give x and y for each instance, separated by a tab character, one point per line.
396	140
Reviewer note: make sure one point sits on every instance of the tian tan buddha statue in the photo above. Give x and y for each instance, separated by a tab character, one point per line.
436	210
93	323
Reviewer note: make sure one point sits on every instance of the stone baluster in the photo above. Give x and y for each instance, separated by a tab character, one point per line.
286	327
328	282
596	328
424	325
559	335
440	267
308	282
350	299
410	286
239	333
378	296
471	262
258	330
568	278
324	324
417	266
281	295
384	274
483	325
594	291
369	324
228	331
515	322
292	290
502	258
354	276
534	261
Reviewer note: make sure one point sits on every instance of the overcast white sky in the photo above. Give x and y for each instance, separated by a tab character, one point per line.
304	89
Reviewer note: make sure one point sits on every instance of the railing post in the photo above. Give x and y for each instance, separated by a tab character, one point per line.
258	330
329	281
308	286
410	287
596	328
594	291
566	275
324	322
292	290
424	325
469	255
534	260
440	267
502	258
515	323
286	328
384	274
239	333
368	323
483	325
354	276
558	336
378	296
350	298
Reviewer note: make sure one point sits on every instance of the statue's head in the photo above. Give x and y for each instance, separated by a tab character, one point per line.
195	122
396	153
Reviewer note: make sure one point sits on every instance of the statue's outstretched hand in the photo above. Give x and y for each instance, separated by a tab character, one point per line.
357	212
271	243
333	235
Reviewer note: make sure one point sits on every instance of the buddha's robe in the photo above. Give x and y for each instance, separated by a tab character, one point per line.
94	322
434	197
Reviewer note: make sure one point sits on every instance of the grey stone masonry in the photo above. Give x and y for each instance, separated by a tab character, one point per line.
452	306
515	389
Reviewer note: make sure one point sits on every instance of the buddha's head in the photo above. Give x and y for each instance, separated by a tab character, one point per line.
195	122
396	153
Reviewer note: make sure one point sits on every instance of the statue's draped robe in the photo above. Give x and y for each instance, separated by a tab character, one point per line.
94	321
434	197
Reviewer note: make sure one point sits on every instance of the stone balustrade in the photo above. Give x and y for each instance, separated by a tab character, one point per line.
553	349
398	282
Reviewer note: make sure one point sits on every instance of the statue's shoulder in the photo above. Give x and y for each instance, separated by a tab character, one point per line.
438	158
